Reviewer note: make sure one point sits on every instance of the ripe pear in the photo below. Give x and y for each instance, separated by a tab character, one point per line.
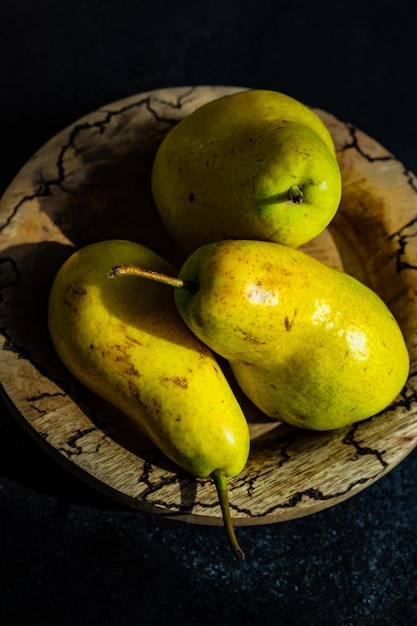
256	164
126	342
309	345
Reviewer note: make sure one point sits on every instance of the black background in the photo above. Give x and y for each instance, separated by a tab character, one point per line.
69	555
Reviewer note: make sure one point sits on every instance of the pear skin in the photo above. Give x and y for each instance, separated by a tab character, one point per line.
256	164
308	344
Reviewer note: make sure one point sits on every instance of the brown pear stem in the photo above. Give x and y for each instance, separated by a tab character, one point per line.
220	481
159	277
295	194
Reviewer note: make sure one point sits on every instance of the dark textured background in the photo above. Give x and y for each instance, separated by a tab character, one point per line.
68	555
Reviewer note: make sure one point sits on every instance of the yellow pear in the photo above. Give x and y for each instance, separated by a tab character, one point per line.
256	164
308	344
125	341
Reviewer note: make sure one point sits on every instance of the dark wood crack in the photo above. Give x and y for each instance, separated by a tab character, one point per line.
402	237
355	144
312	494
174	105
349	440
146	496
74	449
406	399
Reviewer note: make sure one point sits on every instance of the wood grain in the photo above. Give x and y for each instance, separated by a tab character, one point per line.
92	182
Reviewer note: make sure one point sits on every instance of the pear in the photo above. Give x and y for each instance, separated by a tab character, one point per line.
308	344
126	342
256	164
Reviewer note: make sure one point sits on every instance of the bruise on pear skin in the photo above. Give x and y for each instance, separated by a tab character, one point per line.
72	293
75	290
288	323
249	338
177	381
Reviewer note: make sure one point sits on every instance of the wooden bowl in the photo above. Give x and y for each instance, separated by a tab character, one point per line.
92	182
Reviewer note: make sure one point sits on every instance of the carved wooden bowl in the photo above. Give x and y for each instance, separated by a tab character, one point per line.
92	182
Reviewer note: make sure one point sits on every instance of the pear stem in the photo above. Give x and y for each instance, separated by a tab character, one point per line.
220	481
295	194
159	277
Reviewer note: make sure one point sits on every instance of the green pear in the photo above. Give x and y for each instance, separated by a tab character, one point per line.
256	164
126	342
308	344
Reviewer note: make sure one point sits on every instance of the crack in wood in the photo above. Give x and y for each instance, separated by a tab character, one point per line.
411	180
74	449
42	396
43	190
45	394
355	144
174	105
402	238
312	494
349	440
153	488
285	457
408	397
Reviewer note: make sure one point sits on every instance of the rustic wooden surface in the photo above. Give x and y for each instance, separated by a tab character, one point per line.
92	182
